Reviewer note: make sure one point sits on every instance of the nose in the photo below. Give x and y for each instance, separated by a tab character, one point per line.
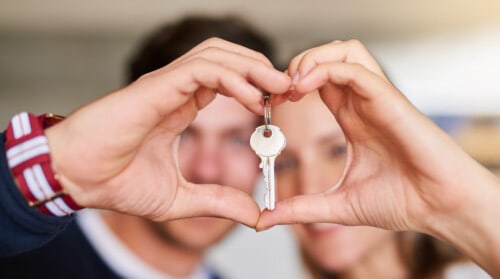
313	177
206	168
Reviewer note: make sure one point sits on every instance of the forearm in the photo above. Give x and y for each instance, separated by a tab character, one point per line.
474	227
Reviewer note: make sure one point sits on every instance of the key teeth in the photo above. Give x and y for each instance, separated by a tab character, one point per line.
267	198
270	206
267	202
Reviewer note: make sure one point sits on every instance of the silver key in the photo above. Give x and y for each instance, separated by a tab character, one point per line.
268	147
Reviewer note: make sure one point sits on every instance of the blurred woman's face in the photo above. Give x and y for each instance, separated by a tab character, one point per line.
312	162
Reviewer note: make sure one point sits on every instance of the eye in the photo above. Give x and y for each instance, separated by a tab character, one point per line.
238	141
338	150
285	164
184	136
188	137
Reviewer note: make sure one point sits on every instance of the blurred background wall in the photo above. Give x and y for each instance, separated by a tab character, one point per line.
444	55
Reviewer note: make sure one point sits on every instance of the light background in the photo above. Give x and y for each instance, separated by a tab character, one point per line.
444	55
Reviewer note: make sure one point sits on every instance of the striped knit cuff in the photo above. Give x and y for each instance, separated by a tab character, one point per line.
29	159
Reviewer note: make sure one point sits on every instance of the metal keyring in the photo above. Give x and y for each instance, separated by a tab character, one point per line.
267	112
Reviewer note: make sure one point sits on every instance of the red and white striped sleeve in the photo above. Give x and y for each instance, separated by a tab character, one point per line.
28	156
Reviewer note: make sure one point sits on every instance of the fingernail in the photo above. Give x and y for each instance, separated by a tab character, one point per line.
258	108
296	78
294	96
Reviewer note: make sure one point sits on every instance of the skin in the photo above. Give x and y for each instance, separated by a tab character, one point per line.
403	172
154	160
213	149
121	151
312	161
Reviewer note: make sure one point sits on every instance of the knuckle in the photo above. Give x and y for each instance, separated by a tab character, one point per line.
355	44
337	42
145	77
213	41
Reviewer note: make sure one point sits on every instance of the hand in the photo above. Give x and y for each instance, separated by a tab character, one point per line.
402	172
120	152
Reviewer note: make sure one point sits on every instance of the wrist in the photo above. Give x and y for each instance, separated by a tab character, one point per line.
472	228
29	159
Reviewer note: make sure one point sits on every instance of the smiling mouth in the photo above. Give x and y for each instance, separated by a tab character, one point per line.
320	229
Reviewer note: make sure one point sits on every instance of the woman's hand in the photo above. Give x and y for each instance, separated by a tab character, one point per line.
402	172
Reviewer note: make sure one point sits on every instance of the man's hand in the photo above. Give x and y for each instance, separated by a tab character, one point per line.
120	152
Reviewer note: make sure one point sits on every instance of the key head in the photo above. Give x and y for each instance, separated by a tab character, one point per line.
268	146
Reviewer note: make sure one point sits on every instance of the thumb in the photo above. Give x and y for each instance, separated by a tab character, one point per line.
197	200
327	207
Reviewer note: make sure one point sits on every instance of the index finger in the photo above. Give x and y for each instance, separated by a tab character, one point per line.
316	208
228	46
351	51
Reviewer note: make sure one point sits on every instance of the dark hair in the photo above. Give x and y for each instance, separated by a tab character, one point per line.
173	40
426	256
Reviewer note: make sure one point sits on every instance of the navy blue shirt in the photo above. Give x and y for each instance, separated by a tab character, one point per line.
35	245
22	228
69	255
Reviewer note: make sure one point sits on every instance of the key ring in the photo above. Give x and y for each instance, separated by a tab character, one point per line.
267	113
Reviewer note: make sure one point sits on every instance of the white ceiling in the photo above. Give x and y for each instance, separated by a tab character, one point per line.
283	18
441	53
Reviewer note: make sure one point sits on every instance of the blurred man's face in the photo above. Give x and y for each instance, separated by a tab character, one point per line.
214	149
